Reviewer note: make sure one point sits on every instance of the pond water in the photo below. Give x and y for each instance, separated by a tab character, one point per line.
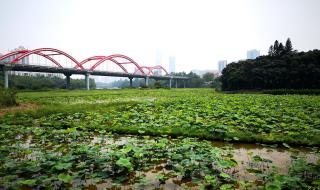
160	169
278	157
246	156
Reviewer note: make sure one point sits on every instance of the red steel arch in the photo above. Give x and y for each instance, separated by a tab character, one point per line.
100	58
2	57
26	51
112	57
39	52
150	69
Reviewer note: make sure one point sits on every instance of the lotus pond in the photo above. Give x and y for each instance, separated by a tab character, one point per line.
160	139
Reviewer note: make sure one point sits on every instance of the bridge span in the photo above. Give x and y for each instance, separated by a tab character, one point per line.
13	61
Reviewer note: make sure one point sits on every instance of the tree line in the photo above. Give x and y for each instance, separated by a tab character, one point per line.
278	49
41	82
194	81
282	68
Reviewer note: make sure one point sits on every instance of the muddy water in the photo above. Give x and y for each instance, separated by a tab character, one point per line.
280	157
243	153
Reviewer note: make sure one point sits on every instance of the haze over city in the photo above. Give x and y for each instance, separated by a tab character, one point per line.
197	33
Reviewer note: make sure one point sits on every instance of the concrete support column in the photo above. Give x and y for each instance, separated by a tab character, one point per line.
130	78
147	81
6	78
184	83
176	83
68	80
170	80
87	81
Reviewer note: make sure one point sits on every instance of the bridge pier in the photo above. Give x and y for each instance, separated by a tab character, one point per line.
6	79
68	81
147	81
87	81
176	83
184	83
130	78
170	80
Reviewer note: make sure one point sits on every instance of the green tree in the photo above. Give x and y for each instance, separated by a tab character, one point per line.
271	51
280	50
216	83
292	71
288	48
207	77
275	47
157	84
37	82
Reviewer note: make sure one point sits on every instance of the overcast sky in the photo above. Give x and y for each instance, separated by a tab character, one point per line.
197	32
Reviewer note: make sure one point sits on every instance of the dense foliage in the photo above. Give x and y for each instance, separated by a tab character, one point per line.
7	97
290	71
39	82
291	91
74	141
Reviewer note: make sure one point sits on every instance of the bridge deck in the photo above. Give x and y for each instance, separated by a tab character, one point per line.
70	71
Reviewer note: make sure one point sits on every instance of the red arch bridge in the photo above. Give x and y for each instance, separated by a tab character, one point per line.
16	61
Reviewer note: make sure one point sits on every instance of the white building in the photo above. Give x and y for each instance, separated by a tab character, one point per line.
221	65
172	64
253	54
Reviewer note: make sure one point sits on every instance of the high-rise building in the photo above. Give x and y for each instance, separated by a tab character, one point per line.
221	65
172	64
253	54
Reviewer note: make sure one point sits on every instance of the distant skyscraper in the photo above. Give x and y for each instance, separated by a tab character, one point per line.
252	54
172	64
221	65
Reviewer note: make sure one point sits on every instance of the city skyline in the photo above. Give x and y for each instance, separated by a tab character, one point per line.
198	36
